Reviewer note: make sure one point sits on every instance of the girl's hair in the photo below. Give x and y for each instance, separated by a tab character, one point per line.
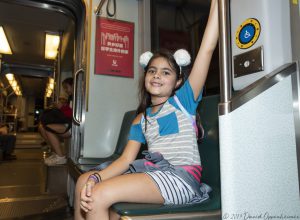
144	96
68	81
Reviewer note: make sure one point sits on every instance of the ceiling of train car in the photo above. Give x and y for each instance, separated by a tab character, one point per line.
25	29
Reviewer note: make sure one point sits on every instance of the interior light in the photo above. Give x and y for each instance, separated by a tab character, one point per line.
14	84
10	76
48	91
49	88
51	46
48	95
4	45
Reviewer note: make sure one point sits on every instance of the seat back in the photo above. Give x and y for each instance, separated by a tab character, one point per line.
209	148
124	131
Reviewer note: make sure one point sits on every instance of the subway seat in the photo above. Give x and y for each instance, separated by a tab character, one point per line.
209	151
85	164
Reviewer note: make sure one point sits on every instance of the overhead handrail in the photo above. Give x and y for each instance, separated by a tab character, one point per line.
225	53
110	14
98	9
77	121
258	87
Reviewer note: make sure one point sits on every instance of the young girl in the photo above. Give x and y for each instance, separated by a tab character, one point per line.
170	174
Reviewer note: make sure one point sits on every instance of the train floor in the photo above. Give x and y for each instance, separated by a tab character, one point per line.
28	188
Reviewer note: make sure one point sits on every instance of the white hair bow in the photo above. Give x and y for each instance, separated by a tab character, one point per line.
181	56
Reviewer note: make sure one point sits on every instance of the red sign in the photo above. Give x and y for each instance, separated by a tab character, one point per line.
114	47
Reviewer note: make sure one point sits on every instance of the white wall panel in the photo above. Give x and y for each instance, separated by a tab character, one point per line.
258	157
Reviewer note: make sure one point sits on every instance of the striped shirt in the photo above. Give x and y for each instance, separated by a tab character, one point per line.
170	131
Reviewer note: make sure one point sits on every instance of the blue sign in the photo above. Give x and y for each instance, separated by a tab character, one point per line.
247	33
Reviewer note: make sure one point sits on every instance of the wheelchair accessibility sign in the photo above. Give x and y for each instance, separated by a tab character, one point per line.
247	33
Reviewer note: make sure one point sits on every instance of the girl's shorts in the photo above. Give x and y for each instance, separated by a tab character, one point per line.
174	189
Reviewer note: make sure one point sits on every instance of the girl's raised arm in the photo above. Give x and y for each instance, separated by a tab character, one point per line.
200	68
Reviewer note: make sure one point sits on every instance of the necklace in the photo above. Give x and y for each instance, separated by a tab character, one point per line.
159	104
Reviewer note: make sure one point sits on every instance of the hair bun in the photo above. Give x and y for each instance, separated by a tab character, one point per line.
182	57
144	58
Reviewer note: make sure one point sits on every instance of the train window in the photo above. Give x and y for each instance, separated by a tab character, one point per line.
179	24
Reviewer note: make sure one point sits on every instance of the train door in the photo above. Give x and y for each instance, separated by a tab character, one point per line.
259	118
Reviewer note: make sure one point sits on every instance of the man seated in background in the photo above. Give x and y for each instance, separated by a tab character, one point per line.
55	125
7	143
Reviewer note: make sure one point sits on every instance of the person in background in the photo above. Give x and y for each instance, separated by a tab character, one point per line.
7	143
64	106
59	126
170	174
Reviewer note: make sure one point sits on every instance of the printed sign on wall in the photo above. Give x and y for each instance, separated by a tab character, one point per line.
114	47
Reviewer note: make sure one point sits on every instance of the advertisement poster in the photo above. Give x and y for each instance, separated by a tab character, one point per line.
114	47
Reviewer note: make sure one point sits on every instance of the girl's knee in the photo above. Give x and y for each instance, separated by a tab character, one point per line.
103	196
82	180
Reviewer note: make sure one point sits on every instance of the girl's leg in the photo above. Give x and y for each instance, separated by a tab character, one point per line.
138	187
78	213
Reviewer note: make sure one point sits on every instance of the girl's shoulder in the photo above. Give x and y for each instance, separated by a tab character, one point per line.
138	119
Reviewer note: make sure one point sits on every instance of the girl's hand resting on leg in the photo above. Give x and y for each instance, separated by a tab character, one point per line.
85	196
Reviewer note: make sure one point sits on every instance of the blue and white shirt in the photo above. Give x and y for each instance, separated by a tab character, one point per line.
170	131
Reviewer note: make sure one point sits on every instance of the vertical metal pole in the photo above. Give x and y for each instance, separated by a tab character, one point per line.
225	55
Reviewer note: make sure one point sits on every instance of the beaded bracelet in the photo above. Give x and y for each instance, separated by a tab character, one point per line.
98	176
94	177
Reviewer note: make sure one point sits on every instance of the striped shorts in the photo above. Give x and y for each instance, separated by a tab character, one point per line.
174	189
